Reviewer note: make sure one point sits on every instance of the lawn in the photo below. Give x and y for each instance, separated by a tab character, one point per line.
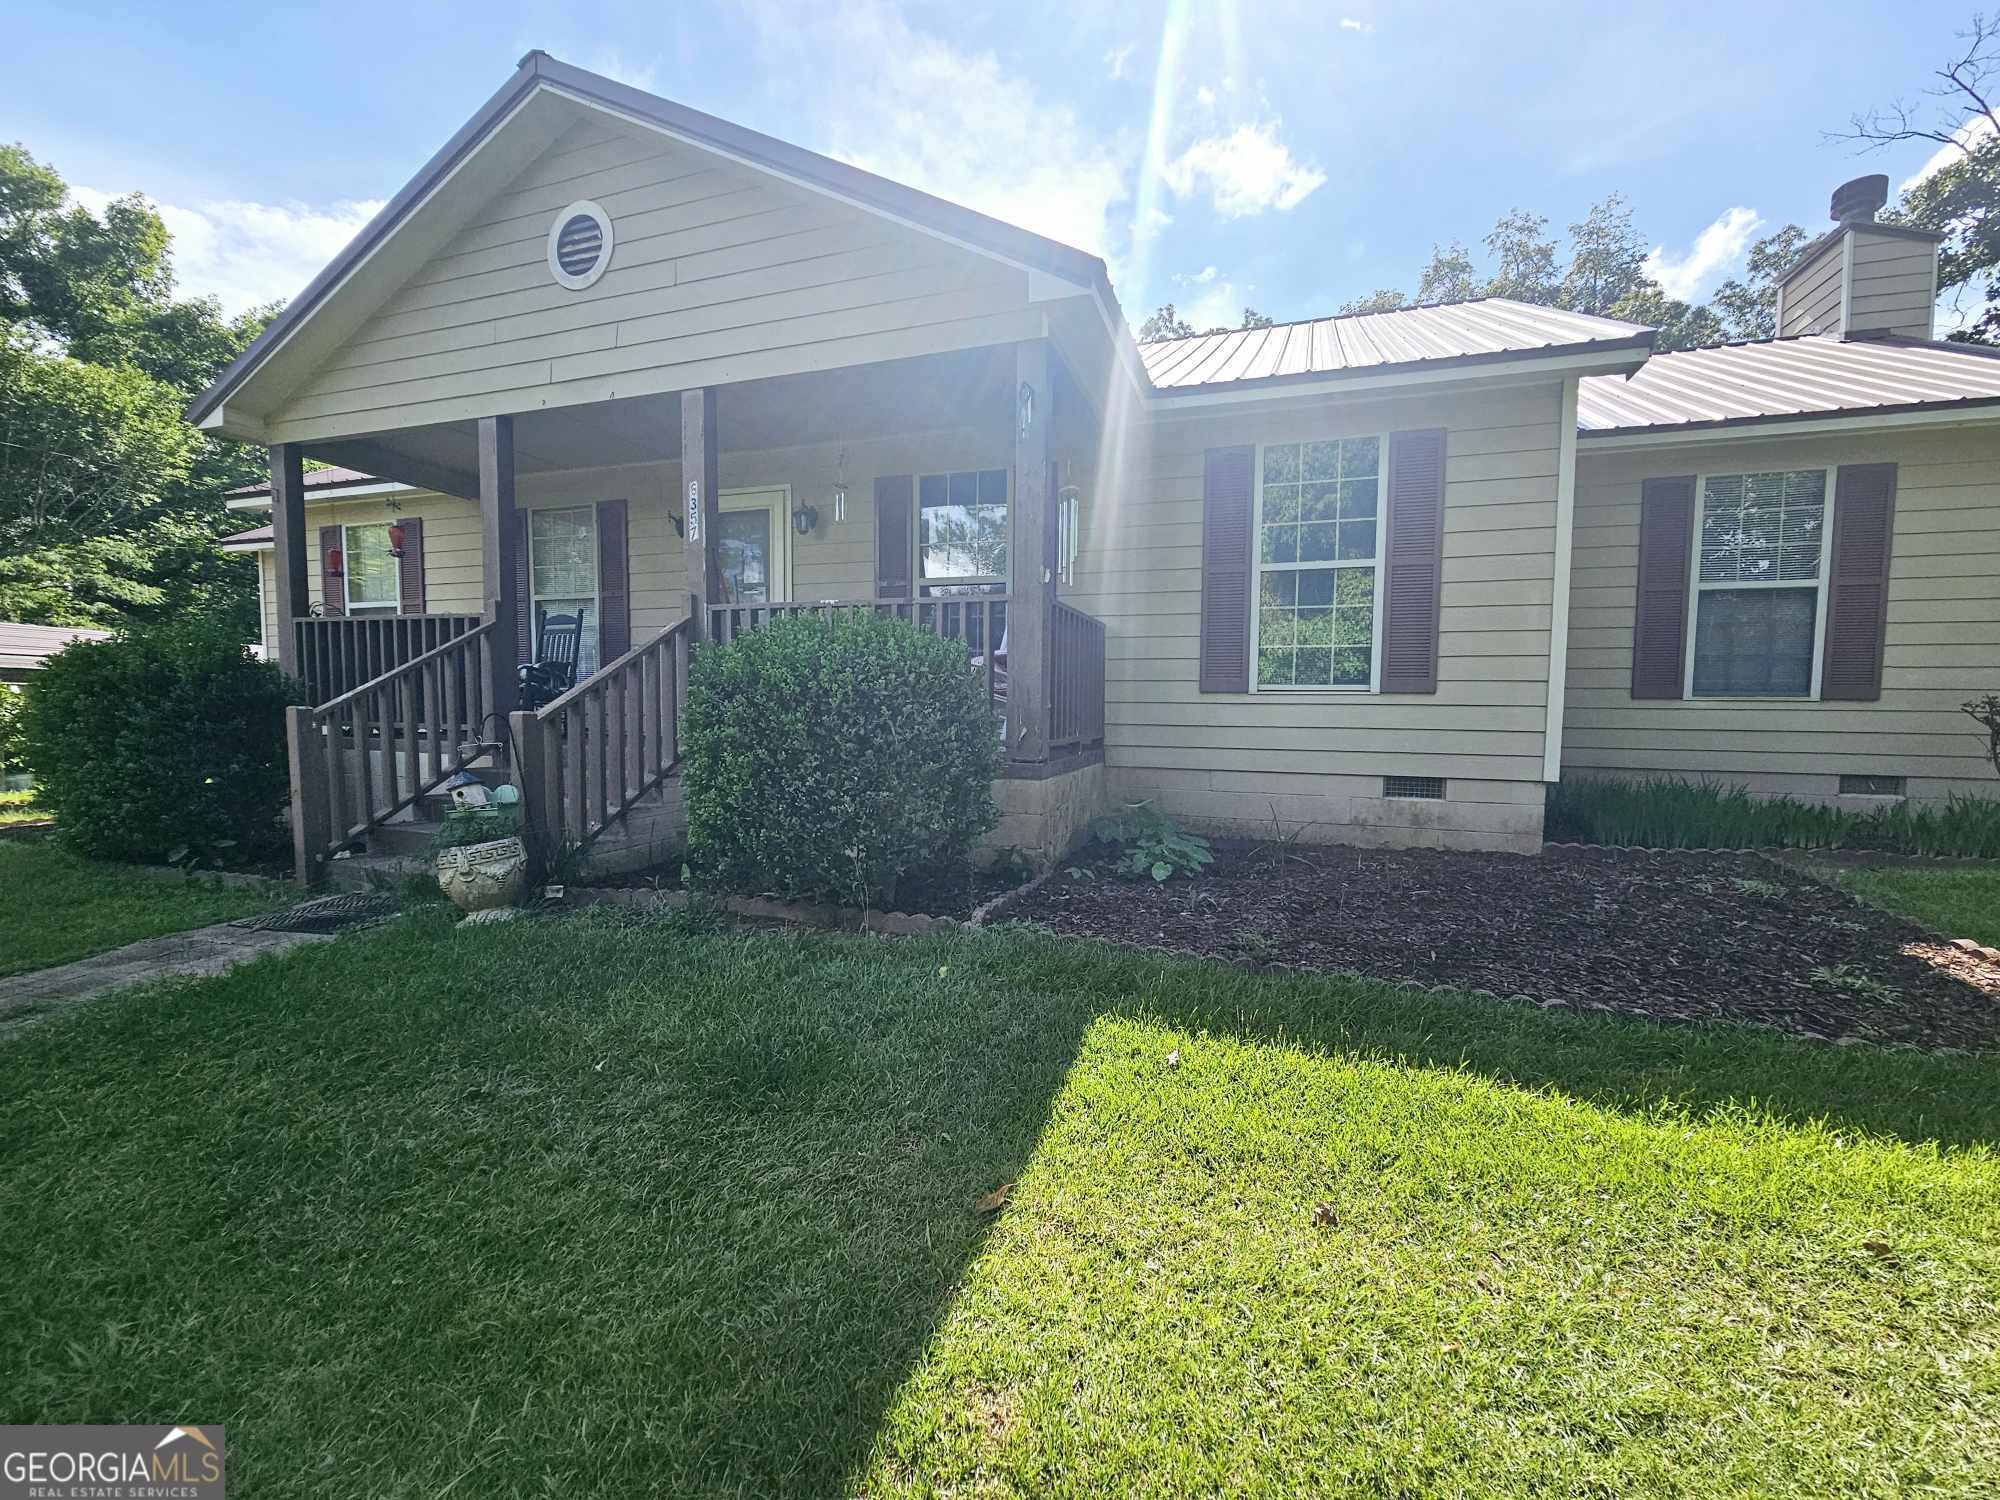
1954	902
59	907
20	807
610	1208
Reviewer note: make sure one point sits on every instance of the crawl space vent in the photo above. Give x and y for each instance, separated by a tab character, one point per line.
1422	788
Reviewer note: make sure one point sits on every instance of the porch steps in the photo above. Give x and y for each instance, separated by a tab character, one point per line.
650	833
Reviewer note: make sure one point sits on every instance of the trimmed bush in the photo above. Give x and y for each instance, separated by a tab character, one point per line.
1669	813
836	760
167	743
13	744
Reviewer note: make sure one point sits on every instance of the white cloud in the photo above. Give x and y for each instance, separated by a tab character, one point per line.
1967	136
1245	172
1205	97
1218	305
245	254
1349	23
1118	60
919	110
1202	277
1716	251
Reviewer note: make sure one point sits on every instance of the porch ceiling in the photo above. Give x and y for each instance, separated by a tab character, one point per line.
962	389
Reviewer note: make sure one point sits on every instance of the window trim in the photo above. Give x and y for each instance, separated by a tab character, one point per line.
533	601
1004	583
376	606
777	499
1257	565
1824	584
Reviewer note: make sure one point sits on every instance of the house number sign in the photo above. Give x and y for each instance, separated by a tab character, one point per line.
694	510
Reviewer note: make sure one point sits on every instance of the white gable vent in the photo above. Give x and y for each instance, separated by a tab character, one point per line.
579	245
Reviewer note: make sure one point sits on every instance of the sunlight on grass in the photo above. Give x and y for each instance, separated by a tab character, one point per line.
1511	1292
1956	901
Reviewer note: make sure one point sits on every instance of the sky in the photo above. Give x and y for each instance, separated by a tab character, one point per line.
1279	154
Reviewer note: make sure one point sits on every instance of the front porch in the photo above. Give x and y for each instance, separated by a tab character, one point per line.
948	487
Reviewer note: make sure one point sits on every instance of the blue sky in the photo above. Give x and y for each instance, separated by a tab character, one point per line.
1288	155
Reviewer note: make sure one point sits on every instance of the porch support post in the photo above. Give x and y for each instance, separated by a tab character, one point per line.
1032	590
288	545
701	506
312	822
500	546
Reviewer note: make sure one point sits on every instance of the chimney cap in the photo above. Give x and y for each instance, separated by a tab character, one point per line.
1856	202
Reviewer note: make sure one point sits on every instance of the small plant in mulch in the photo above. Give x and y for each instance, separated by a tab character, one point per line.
1854	982
1148	845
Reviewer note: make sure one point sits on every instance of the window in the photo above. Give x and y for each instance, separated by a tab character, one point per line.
1318	555
1872	786
373	579
562	572
962	532
1762	542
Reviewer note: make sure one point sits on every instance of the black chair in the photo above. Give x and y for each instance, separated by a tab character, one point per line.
558	639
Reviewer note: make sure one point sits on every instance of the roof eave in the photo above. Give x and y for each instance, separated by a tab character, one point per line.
1593	357
1664	434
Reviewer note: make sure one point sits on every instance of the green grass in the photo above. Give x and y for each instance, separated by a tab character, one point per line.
58	907
1955	902
19	807
615	1209
1673	813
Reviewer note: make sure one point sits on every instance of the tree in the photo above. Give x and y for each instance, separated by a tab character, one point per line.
1607	262
1750	306
1527	260
1961	199
1254	319
1166	323
1382	299
1449	277
109	501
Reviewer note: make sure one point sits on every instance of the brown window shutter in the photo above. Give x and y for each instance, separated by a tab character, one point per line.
614	583
1413	561
1666	556
332	586
410	569
895	519
1857	601
524	605
1226	541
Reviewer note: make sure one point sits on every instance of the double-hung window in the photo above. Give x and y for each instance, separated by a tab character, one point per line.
373	580
962	532
1760	596
562	572
1319	507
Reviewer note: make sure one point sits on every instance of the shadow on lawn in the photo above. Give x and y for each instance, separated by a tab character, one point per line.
617	1210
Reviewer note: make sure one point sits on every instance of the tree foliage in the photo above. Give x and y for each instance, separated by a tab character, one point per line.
1167	323
1961	198
109	501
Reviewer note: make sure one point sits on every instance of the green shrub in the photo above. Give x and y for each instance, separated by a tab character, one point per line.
1150	845
13	744
167	743
836	760
463	827
1670	813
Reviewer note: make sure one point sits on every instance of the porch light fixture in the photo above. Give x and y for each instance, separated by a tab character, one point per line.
805	518
580	243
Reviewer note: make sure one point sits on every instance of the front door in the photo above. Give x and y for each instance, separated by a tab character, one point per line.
754	543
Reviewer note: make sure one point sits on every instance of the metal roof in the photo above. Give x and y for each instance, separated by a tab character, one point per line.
247	541
1813	375
1459	332
23	648
332	476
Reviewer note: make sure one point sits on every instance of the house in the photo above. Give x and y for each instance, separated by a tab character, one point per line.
23	648
1378	578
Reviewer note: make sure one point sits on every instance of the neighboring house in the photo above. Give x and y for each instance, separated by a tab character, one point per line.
1381	578
23	648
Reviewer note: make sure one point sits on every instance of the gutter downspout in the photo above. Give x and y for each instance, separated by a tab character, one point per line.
1559	603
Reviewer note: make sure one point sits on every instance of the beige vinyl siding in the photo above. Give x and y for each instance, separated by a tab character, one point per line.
267	602
1314	761
1895	285
1812	293
718	274
1943	642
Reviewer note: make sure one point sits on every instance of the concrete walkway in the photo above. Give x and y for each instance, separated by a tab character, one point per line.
28	998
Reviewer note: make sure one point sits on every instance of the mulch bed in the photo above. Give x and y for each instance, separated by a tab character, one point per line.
1666	936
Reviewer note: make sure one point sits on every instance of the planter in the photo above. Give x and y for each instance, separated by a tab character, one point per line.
480	877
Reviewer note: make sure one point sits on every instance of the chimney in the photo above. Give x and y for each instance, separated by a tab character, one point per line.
1862	279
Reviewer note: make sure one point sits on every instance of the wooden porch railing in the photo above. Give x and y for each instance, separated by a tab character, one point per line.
585	759
339	653
368	753
1076	698
977	620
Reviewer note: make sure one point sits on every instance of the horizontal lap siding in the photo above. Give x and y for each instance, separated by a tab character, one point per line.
1943	631
1895	284
1223	758
717	274
1812	295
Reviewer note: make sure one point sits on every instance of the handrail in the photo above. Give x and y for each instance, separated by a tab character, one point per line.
583	761
435	653
360	758
339	653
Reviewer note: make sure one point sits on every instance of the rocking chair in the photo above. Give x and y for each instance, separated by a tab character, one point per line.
558	639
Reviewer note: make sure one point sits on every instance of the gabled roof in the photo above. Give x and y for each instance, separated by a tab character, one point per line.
253	540
1429	336
327	477
1775	380
537	73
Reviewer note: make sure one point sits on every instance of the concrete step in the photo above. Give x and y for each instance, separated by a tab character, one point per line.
411	839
